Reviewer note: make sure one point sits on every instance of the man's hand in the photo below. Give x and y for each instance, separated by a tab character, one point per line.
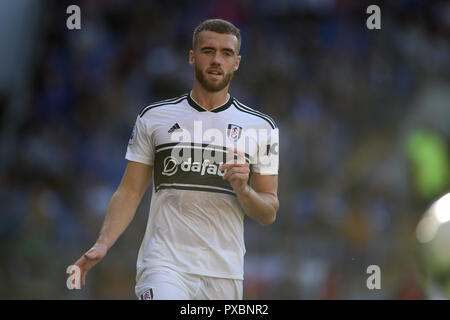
237	171
90	259
120	212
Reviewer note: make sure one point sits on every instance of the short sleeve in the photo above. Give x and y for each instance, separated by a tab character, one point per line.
266	160
140	147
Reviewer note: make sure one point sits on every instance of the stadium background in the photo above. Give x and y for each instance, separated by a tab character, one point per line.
364	121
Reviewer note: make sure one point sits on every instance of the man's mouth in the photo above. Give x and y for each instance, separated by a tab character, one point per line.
215	73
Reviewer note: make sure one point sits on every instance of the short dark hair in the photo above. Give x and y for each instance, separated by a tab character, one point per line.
219	26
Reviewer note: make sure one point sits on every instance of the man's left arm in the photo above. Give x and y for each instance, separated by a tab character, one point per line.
258	200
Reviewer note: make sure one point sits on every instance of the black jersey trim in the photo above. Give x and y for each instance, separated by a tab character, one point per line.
163	103
199	108
244	108
256	111
193	188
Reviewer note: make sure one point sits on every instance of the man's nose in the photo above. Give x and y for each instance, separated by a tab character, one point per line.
217	59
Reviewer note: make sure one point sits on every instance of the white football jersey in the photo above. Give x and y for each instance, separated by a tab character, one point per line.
196	224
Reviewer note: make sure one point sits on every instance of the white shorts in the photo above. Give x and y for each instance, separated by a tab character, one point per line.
165	283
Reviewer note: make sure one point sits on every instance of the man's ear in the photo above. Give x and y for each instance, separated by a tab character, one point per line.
238	61
191	58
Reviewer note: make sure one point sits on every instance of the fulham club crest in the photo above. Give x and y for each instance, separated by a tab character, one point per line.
234	132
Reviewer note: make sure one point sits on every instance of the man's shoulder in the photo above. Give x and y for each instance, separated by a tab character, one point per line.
163	103
254	114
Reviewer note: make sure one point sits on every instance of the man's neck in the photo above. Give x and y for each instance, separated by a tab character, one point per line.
209	100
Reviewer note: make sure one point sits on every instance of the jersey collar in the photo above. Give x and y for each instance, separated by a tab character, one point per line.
199	108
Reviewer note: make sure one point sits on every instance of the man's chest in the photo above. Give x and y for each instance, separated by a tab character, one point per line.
189	150
211	131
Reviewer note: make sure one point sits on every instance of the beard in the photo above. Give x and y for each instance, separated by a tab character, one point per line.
212	86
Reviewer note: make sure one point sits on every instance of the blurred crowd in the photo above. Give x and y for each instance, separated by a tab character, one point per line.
355	162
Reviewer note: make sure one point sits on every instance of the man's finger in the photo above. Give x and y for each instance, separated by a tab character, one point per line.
81	262
231	165
92	254
238	176
234	158
83	276
235	170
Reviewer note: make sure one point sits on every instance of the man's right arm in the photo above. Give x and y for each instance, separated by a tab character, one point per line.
120	212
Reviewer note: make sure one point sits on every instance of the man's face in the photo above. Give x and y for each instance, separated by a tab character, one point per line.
215	59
